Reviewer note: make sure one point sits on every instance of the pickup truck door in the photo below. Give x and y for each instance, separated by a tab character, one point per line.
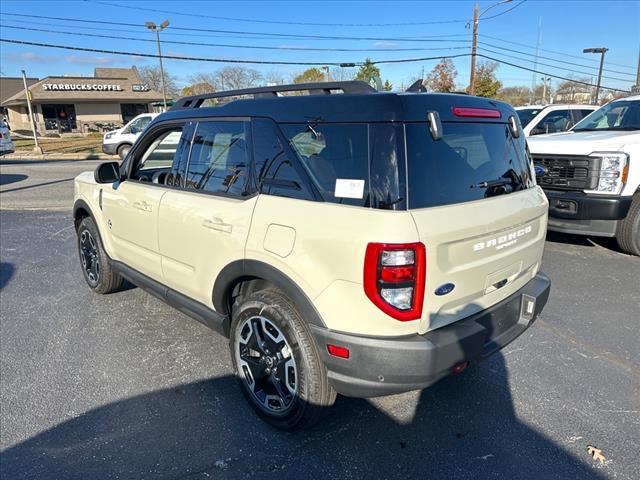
131	206
203	226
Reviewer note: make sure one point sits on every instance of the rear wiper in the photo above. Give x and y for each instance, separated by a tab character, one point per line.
500	182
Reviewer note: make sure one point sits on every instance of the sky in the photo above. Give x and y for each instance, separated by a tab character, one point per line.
375	29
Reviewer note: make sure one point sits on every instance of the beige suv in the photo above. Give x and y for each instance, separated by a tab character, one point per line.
344	240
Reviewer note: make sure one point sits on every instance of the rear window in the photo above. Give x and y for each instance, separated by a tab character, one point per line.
527	114
353	163
472	161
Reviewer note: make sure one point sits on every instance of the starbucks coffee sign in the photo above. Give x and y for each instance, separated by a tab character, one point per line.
99	87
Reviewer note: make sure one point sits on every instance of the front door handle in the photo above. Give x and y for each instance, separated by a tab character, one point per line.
217	224
144	206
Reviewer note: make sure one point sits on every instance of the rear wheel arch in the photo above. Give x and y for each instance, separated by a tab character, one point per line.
243	277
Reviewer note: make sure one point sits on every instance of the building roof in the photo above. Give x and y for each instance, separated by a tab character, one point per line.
9	86
108	85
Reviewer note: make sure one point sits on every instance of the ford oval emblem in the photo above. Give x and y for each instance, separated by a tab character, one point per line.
540	170
444	289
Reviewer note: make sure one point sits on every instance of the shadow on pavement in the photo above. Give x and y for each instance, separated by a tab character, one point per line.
7	178
6	273
584	241
463	427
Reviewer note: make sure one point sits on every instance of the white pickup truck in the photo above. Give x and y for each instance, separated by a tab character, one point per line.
591	174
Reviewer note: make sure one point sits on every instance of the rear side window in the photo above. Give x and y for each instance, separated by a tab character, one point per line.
352	163
218	161
472	161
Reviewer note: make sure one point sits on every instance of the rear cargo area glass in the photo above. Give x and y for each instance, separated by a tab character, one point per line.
455	168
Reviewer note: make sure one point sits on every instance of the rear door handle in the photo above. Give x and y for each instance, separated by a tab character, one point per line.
144	206
217	224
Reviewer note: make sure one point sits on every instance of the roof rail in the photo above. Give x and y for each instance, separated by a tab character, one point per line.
318	88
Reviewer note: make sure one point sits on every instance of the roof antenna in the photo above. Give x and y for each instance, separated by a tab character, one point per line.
417	86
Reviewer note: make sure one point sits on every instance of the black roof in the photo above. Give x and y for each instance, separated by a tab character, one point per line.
323	104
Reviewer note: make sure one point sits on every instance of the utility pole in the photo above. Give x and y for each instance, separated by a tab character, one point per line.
474	44
601	51
535	64
27	94
158	29
474	48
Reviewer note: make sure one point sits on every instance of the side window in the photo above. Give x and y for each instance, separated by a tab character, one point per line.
157	160
175	177
219	162
336	157
275	172
557	121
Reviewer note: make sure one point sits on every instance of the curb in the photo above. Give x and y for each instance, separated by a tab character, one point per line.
58	156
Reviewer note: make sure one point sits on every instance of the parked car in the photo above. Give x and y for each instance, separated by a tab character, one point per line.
591	174
346	241
6	144
120	141
541	119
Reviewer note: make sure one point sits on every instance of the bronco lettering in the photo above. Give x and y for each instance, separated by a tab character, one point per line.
503	240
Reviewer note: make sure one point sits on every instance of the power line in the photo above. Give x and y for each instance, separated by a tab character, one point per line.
271	62
555	59
553	51
553	66
265	34
255	36
504	62
226	45
283	22
505	11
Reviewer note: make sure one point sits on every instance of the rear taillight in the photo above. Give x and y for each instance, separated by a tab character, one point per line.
476	112
394	278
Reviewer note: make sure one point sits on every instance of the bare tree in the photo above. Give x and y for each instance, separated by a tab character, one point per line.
235	78
274	77
342	74
151	77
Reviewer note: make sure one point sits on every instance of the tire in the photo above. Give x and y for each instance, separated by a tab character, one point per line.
96	266
277	361
123	150
628	234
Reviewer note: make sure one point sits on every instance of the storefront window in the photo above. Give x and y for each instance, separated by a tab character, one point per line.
61	118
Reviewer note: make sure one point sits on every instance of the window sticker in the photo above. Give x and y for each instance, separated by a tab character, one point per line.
348	188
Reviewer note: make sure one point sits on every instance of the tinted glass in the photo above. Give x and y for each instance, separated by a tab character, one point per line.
527	115
176	176
353	164
218	162
553	122
336	157
454	169
275	170
159	156
618	115
580	114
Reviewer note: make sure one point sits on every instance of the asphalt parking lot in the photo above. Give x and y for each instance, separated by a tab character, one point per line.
123	386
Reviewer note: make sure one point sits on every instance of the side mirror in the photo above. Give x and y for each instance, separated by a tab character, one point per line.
107	172
134	129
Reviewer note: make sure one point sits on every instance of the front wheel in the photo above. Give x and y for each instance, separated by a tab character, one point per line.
628	234
123	150
277	361
95	263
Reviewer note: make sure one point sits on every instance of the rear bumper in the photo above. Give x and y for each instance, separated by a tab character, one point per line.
384	366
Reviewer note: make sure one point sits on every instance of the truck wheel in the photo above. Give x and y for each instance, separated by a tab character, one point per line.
628	234
277	361
96	266
123	150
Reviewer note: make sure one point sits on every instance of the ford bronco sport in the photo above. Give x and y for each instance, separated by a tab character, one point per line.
344	240
591	174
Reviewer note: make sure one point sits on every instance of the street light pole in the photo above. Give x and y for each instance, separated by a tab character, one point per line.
36	148
474	43
158	29
601	51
